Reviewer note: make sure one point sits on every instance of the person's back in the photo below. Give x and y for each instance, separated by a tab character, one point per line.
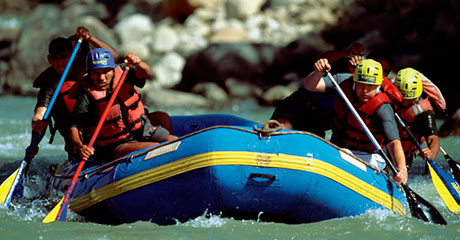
306	111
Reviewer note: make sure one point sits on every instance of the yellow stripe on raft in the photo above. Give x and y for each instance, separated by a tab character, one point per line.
238	158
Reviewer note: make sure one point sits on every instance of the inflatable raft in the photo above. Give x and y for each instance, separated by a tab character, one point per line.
229	166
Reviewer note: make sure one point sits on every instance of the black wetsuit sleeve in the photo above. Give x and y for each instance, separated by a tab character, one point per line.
425	124
81	114
389	126
44	97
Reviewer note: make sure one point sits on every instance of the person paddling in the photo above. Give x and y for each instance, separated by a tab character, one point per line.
418	112
372	95
60	50
126	128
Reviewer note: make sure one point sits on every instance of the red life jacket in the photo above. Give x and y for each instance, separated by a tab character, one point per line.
64	92
347	132
408	115
118	126
392	92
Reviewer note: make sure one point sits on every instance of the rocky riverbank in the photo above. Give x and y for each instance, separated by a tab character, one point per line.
216	51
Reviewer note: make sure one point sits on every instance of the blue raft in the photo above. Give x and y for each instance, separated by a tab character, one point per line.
223	165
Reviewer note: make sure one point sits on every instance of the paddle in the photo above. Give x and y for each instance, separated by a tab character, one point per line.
454	166
417	204
443	182
59	212
9	185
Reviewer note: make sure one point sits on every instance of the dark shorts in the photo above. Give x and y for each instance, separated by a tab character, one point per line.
151	133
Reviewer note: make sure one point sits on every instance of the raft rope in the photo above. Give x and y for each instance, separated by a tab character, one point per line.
272	126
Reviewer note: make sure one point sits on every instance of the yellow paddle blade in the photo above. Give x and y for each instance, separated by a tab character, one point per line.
53	214
6	186
446	196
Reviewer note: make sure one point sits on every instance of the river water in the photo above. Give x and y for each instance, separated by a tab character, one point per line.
24	222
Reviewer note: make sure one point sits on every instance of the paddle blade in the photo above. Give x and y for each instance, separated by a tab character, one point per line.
422	209
454	168
51	217
6	187
447	187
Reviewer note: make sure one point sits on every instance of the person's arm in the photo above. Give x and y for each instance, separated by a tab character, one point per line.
425	124
434	144
84	33
43	99
143	70
81	117
397	153
84	151
390	130
38	125
314	81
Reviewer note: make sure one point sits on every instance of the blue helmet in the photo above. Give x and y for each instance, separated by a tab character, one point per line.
99	58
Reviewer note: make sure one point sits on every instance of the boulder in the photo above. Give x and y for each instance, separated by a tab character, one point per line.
43	24
97	28
243	8
164	39
135	35
211	91
275	94
181	9
242	89
166	98
220	61
167	72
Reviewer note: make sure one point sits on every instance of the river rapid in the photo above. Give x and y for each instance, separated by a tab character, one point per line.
24	222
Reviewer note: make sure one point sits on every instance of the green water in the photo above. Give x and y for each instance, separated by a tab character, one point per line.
24	222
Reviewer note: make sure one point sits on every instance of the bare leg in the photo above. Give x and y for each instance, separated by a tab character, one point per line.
168	138
161	119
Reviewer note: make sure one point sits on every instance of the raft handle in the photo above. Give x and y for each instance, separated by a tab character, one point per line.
261	175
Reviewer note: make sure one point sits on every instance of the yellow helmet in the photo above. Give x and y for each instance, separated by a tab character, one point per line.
409	83
368	71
